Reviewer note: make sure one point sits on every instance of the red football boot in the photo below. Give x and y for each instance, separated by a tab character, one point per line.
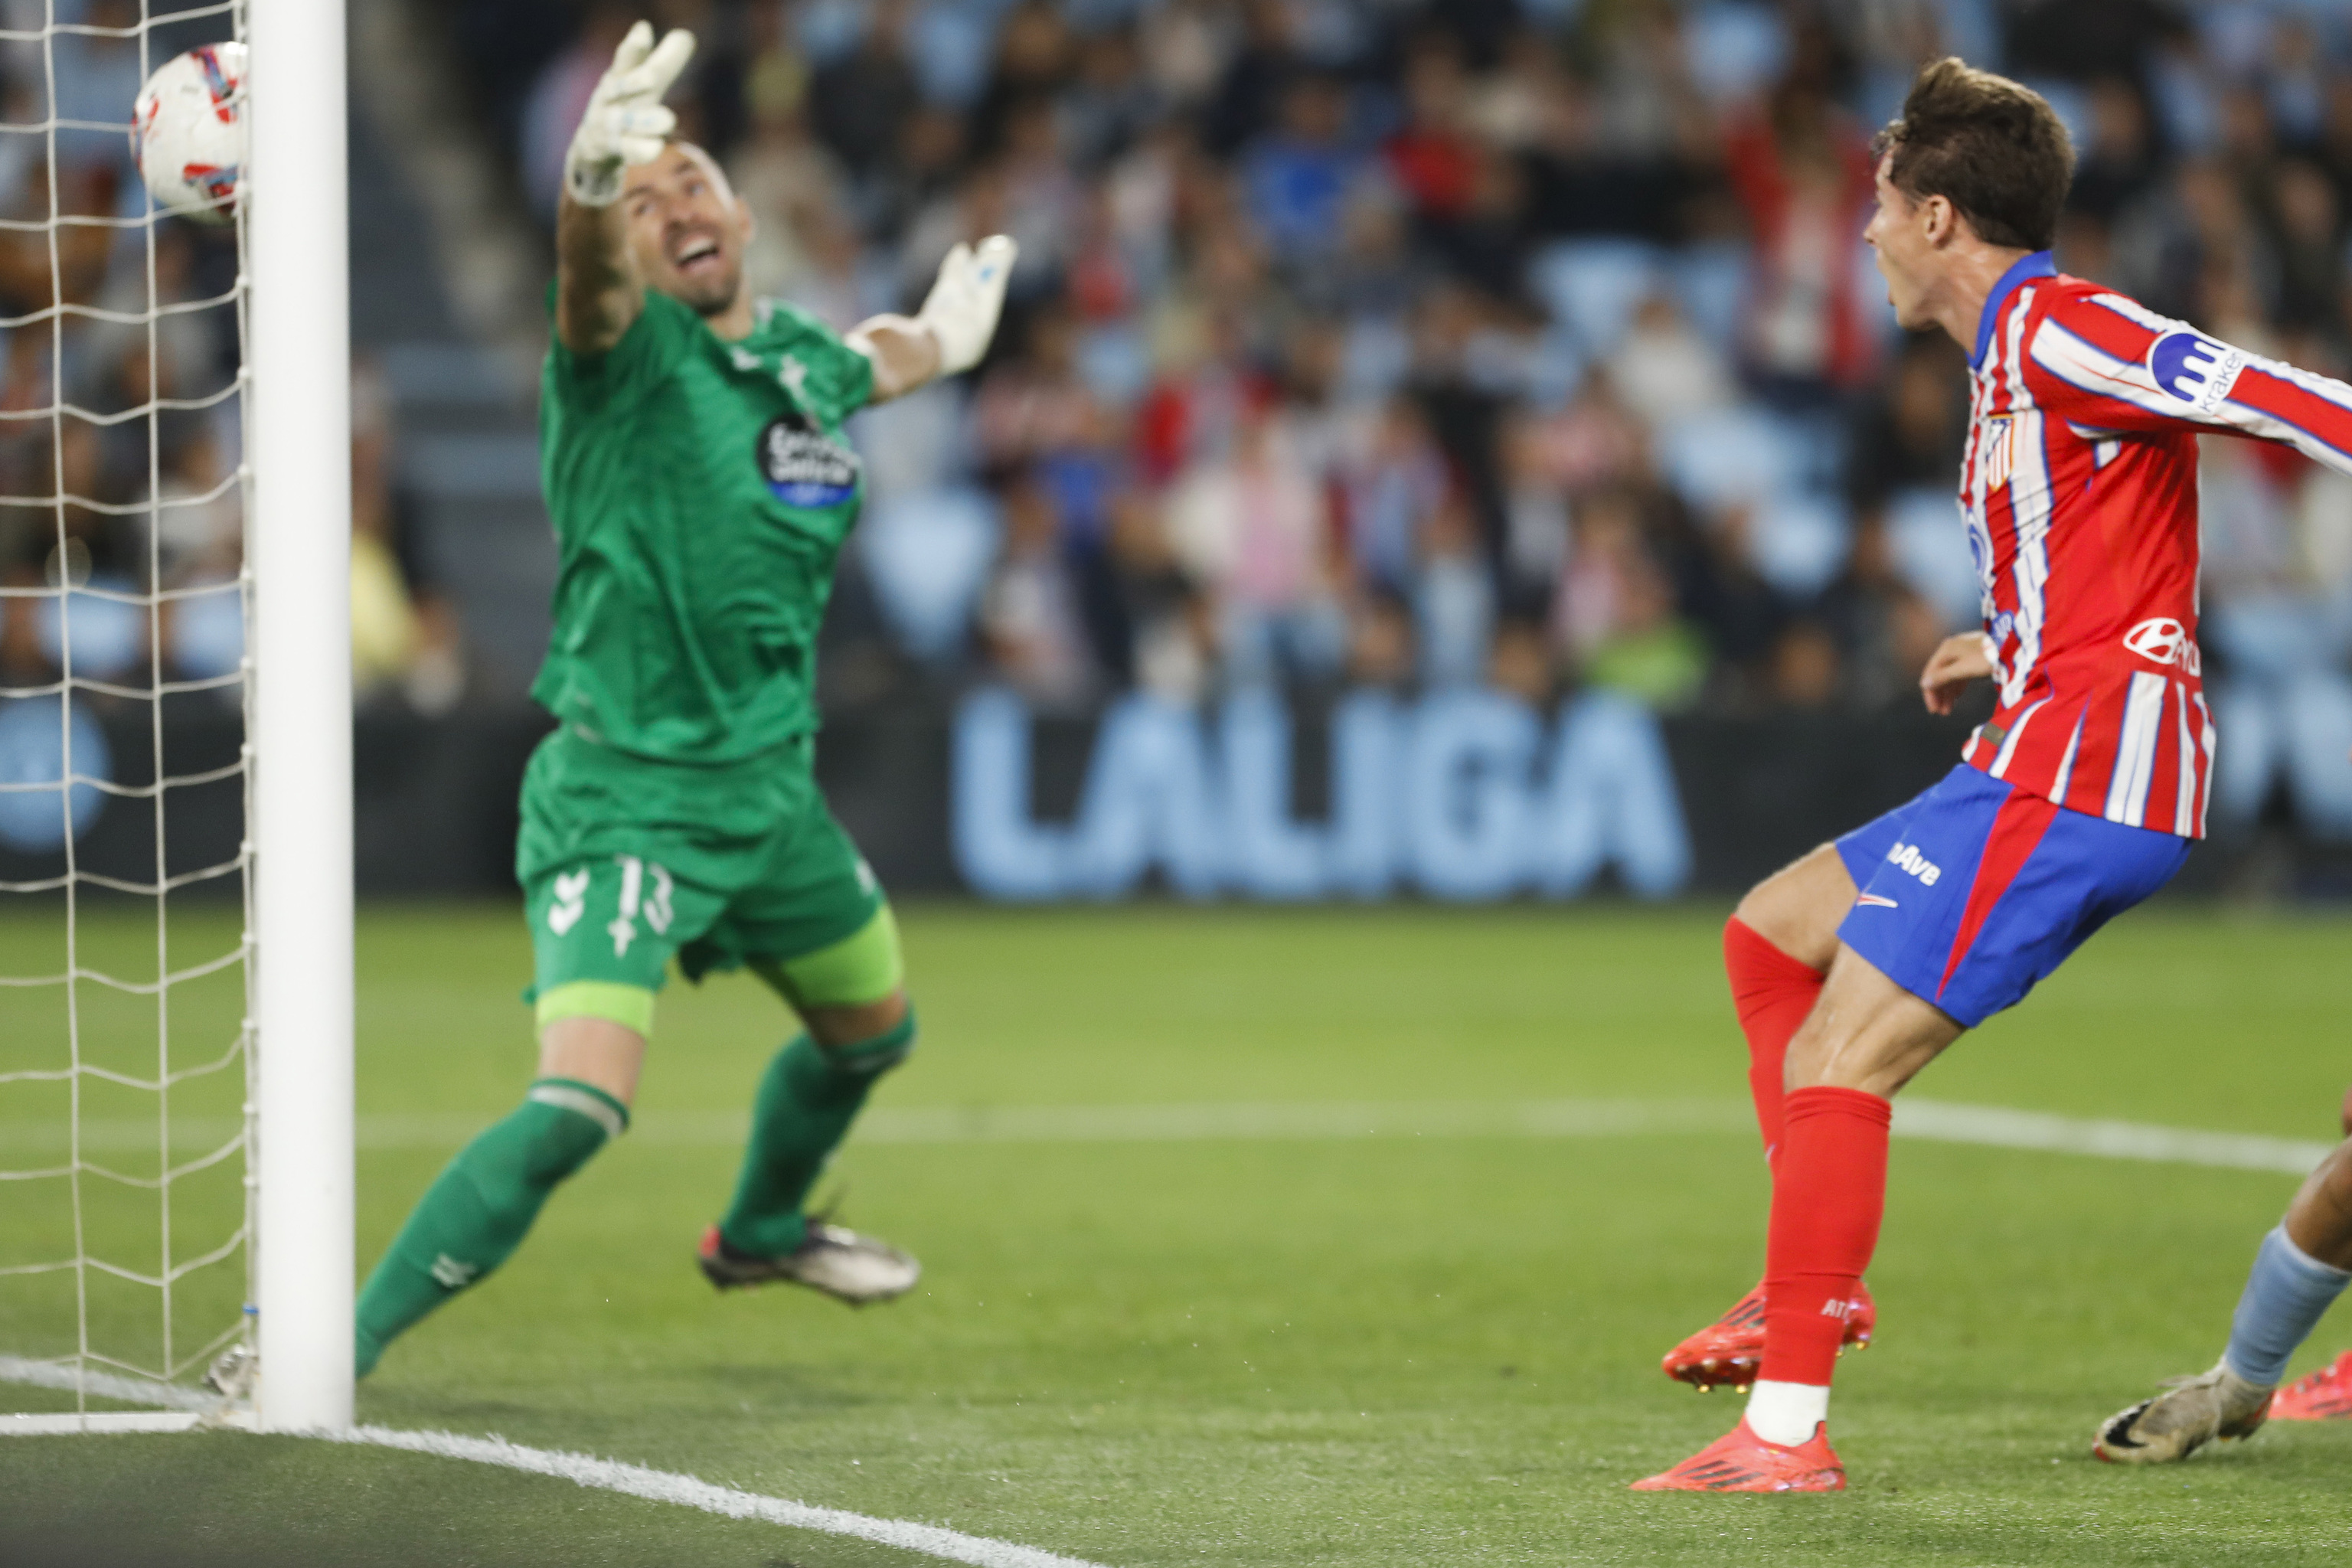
1730	1348
1741	1461
2325	1395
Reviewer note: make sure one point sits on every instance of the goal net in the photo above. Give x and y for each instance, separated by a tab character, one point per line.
139	585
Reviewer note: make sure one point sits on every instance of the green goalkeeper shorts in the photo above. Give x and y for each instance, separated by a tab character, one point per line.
627	863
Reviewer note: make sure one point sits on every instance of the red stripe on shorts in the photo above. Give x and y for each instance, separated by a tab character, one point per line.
2017	830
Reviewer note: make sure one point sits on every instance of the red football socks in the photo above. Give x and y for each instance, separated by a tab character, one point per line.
1829	1190
1773	993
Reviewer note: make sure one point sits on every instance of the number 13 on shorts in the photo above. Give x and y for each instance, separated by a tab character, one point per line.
636	887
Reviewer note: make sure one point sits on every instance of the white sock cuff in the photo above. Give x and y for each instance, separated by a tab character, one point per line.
1786	1413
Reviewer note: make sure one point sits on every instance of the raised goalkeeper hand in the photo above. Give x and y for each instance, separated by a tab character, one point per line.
626	121
964	305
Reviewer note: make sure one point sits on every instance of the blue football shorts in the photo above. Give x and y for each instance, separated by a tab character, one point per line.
1975	890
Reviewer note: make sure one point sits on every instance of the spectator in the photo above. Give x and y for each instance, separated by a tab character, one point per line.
1911	437
404	632
1430	156
2118	166
1111	104
791	184
1251	528
1665	371
1614	615
551	110
1392	480
1298	177
2308	235
1453	610
1379	641
1031	619
1522	663
861	100
1804	173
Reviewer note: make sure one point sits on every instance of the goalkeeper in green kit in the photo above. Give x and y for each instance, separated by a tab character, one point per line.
700	486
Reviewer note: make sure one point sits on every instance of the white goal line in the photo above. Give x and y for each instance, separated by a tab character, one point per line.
1934	1121
187	1406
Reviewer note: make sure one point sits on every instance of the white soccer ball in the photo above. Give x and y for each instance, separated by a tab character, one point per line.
188	132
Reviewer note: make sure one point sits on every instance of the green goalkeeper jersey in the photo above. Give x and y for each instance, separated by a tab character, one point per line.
700	491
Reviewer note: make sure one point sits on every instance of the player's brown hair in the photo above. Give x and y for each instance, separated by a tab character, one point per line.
1991	147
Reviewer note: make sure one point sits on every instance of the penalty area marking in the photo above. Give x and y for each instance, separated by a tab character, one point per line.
188	1407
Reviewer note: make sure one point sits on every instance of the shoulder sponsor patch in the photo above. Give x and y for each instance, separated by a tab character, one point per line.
802	468
2194	368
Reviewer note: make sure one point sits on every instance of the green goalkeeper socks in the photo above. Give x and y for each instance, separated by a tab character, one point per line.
476	1211
808	1098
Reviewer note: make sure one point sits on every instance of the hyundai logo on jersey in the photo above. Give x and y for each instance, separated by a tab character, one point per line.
802	468
2194	368
2165	640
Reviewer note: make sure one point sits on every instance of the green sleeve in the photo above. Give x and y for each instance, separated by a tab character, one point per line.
647	352
838	380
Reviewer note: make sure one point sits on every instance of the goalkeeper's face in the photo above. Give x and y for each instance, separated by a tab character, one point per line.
687	229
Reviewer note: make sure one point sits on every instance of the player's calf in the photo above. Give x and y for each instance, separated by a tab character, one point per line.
479	1209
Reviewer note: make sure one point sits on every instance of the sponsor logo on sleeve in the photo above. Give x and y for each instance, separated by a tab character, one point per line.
802	468
2194	368
2160	639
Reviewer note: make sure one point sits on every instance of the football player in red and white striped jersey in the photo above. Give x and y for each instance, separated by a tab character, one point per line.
1854	968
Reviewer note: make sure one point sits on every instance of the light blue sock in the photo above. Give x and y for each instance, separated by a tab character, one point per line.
2286	1292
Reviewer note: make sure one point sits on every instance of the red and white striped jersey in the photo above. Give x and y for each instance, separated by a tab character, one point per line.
2080	493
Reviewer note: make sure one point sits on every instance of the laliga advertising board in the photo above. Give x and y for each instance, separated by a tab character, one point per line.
1462	796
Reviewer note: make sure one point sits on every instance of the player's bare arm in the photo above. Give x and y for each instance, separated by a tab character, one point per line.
905	355
1958	660
597	291
600	288
952	333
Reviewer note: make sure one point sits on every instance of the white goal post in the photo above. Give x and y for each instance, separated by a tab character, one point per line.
297	249
122	1129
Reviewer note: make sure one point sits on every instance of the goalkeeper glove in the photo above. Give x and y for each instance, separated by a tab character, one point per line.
962	306
626	121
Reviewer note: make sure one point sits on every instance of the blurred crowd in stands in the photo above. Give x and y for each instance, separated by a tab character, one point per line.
1526	342
1530	342
132	329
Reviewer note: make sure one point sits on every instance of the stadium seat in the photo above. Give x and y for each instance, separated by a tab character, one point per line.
1733	48
911	443
1592	287
1710	284
1799	541
107	634
1116	364
1729	457
32	752
207	633
927	555
1931	551
1377	358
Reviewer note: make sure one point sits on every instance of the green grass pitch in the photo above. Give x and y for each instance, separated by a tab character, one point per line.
1401	1351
